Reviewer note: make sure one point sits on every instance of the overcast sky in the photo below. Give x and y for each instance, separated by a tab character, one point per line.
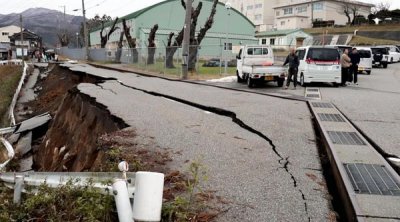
109	7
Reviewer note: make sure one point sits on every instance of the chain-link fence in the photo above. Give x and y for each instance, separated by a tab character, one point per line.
205	61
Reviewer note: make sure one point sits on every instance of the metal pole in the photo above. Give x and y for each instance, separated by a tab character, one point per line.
122	201
226	47
77	40
22	37
85	31
312	14
19	185
186	39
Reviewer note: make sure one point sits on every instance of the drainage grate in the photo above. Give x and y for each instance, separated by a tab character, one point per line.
322	105
372	179
330	117
312	90
345	138
313	95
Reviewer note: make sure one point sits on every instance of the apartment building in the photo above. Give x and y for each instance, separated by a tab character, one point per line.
301	14
293	14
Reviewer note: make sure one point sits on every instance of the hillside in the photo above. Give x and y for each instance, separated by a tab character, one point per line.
44	22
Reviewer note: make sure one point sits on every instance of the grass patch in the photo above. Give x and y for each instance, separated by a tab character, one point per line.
351	29
361	40
65	203
9	79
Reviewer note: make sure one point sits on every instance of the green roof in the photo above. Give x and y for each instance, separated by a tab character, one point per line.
139	12
278	32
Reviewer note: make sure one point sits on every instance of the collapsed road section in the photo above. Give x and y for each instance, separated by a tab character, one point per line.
266	158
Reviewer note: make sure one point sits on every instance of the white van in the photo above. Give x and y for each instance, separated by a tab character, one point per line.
365	60
319	64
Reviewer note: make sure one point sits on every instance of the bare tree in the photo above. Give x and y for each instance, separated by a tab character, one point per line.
382	6
152	45
105	38
354	10
346	10
172	46
131	41
64	39
119	49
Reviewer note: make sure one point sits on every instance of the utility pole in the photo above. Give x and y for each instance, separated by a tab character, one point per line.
186	39
312	14
85	31
22	37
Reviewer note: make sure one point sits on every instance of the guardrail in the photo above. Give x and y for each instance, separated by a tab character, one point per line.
11	62
15	98
145	188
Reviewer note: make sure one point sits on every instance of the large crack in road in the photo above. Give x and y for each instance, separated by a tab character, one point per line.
284	162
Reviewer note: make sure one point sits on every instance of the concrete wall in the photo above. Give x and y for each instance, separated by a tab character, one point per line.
11	30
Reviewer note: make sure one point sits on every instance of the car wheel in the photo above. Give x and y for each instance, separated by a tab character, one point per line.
391	60
369	72
239	80
385	65
336	85
302	83
250	82
281	81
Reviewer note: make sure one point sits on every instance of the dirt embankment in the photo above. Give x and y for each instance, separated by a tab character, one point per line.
70	143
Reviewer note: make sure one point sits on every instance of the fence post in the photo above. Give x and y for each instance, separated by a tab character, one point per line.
122	201
19	185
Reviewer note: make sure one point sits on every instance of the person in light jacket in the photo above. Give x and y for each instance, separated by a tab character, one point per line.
345	62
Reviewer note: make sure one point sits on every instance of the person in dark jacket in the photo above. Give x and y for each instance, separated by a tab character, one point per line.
293	60
355	60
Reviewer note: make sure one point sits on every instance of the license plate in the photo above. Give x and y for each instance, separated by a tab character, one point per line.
360	69
269	78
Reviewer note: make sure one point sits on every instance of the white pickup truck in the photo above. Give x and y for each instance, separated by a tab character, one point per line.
255	64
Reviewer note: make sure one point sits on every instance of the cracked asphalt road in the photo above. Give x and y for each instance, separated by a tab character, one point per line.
260	151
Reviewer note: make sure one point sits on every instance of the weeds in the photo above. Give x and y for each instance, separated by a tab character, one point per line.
64	203
185	206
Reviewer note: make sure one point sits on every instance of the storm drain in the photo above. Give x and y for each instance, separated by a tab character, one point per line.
330	117
312	95
345	138
322	105
312	90
372	179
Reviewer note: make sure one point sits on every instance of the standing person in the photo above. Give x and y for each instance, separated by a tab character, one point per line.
345	62
355	61
294	63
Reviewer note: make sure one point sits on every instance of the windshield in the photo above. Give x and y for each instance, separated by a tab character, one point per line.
257	51
364	54
380	51
323	54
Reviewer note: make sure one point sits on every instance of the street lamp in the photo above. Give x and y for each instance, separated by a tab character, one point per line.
228	8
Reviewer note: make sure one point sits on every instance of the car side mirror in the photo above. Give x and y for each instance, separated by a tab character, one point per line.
238	56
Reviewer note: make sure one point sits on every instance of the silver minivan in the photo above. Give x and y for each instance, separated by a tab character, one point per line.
365	59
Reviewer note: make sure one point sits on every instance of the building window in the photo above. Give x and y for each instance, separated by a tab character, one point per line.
277	13
282	23
288	11
228	46
249	7
258	6
263	41
301	9
258	17
318	6
5	33
272	41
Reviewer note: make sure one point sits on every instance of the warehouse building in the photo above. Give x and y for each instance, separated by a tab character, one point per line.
230	27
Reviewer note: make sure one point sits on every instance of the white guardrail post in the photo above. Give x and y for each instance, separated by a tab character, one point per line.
147	193
15	98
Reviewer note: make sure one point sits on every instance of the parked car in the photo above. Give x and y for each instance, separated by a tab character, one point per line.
380	56
366	60
341	48
212	63
319	64
394	53
255	64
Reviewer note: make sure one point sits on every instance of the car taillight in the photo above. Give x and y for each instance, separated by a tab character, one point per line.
308	61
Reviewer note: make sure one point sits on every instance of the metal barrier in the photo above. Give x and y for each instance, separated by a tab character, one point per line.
11	62
15	98
10	152
146	188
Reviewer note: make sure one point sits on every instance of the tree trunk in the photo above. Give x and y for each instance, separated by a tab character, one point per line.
151	50
119	49
104	39
169	54
193	51
131	42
